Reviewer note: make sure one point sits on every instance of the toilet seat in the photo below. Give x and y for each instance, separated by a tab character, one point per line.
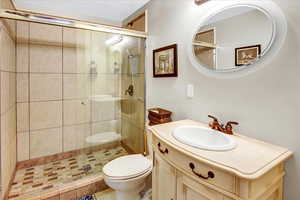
127	167
129	177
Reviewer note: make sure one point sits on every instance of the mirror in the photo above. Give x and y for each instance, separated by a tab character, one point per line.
234	38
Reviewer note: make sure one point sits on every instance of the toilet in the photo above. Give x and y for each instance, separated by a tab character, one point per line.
127	175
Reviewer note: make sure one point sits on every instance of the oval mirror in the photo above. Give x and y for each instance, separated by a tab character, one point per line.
233	39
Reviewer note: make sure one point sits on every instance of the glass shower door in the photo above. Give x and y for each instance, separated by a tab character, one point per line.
117	95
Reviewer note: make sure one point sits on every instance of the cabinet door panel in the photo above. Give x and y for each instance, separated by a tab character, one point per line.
164	180
188	189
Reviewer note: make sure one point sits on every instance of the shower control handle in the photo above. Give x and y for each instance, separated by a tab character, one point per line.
130	90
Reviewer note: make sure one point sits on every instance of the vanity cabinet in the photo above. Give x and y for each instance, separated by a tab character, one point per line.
188	189
171	184
179	175
163	179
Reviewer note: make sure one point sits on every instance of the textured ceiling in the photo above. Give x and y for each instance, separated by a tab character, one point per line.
100	11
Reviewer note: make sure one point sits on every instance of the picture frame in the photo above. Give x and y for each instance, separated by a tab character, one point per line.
246	55
165	62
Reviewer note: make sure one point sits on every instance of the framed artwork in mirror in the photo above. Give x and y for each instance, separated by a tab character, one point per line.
165	62
247	55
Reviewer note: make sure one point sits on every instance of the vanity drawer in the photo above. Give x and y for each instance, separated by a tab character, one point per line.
197	170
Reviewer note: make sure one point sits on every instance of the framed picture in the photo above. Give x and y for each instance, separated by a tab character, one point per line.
165	61
246	55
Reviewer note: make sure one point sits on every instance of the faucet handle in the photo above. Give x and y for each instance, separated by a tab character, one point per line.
231	122
215	124
228	127
214	118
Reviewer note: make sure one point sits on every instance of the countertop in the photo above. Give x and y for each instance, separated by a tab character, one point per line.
250	159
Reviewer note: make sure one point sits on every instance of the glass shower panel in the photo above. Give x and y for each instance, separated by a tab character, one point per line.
76	88
91	87
117	95
133	94
103	98
105	82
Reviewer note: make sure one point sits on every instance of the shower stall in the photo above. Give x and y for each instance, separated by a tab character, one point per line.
76	97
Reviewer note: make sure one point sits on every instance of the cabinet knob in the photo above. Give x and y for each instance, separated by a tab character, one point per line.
210	174
165	151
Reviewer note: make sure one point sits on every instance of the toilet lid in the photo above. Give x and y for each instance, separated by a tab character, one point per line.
127	166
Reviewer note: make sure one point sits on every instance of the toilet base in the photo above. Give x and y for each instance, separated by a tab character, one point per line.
130	194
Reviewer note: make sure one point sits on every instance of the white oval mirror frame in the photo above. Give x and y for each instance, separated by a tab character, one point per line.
279	34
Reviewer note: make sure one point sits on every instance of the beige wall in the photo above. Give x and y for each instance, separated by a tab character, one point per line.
265	103
8	102
54	88
7	4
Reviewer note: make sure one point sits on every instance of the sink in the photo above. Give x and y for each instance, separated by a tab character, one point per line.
204	138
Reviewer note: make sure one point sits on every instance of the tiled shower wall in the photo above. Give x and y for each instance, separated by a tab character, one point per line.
6	4
59	70
8	102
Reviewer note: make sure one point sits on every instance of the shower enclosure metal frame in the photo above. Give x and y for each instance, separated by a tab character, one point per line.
77	24
72	23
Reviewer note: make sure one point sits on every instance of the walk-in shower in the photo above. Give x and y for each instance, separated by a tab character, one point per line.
73	114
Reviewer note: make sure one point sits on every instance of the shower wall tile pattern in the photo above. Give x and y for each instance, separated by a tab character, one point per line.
59	70
8	103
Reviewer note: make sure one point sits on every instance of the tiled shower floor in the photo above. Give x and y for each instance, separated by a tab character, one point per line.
43	178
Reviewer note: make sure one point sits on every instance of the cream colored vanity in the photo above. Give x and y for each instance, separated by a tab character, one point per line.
253	170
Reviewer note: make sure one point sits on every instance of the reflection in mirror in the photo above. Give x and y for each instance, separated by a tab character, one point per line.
233	38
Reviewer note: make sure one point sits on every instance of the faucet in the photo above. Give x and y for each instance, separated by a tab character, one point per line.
227	129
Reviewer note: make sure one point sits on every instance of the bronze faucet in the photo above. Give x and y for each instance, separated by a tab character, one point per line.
215	124
227	129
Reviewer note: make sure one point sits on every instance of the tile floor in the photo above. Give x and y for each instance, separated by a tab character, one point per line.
39	179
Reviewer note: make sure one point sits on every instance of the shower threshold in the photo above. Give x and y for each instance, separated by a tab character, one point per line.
67	179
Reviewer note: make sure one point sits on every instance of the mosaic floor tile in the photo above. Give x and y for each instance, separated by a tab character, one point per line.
44	178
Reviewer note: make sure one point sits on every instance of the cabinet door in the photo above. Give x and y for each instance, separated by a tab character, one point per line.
163	180
188	189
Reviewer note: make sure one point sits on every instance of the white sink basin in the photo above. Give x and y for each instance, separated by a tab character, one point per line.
204	138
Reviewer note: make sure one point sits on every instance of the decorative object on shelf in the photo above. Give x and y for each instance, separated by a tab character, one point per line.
247	55
165	61
199	2
159	116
